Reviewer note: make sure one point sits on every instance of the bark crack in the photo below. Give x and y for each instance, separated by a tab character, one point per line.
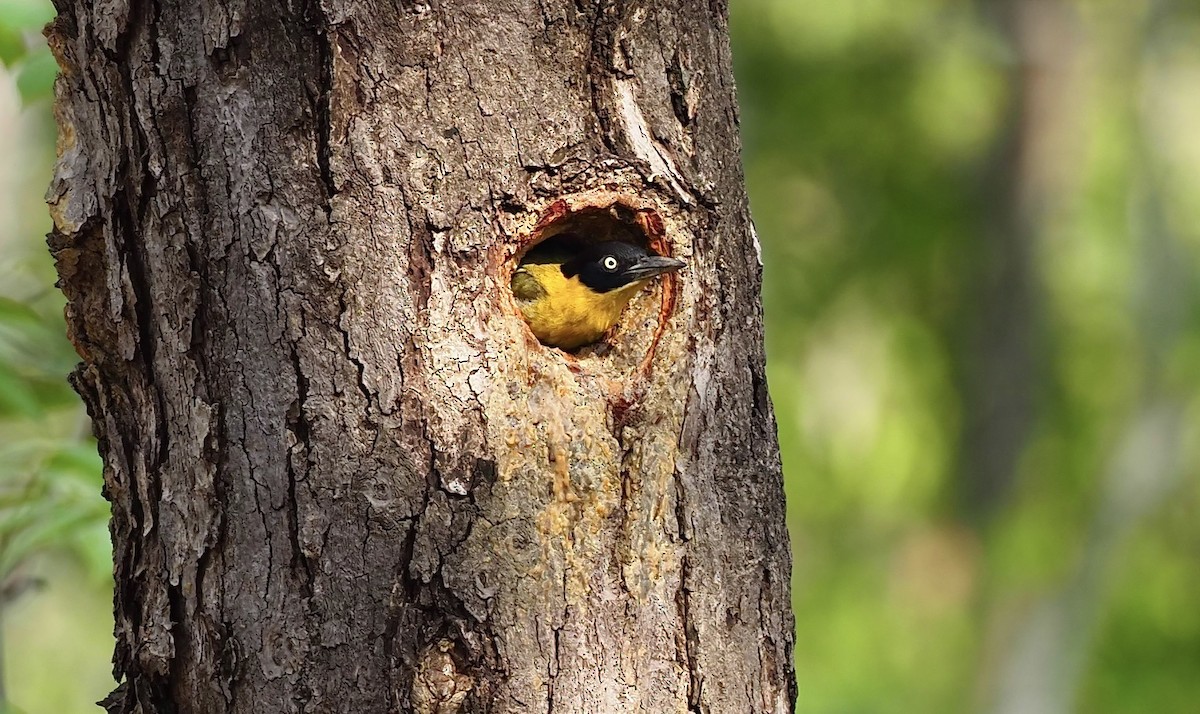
359	366
298	425
695	686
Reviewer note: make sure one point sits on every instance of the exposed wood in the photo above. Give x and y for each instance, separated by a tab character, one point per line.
344	476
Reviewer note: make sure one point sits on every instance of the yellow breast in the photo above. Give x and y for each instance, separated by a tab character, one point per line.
567	313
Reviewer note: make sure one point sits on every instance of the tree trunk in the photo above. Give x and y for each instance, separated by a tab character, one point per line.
344	475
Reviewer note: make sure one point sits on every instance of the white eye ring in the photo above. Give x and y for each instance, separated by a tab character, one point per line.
609	263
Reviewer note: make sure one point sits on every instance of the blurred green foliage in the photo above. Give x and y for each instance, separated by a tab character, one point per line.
55	559
882	141
924	203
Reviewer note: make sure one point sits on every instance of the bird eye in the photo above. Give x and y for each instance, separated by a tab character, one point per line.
609	263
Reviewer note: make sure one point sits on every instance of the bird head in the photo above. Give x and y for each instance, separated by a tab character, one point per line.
613	265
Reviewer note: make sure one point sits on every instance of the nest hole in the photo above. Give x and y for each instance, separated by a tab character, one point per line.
566	227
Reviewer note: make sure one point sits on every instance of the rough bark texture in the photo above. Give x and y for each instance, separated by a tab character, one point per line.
344	476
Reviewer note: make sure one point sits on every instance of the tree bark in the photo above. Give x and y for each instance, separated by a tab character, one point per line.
344	475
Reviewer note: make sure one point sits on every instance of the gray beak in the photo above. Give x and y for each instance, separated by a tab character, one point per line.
651	265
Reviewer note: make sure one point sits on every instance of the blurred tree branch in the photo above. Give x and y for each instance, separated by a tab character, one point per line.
1031	169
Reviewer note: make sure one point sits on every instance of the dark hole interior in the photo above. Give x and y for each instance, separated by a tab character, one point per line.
591	225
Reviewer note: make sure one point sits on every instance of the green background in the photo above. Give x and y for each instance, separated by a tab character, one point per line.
981	229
